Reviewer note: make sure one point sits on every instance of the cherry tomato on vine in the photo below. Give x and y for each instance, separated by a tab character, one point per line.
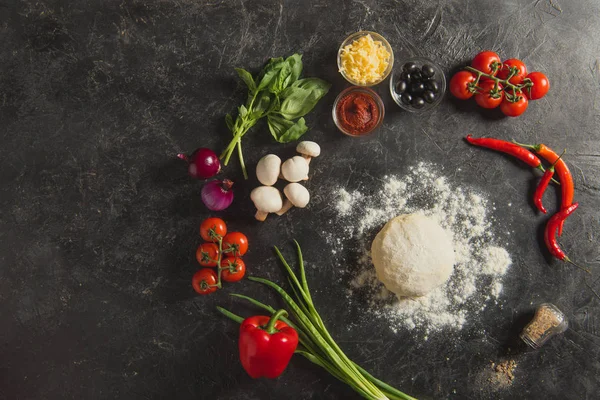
487	62
513	64
516	108
540	87
203	281
207	254
487	97
212	228
234	269
461	83
235	244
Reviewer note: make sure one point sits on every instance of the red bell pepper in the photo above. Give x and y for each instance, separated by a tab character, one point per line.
266	345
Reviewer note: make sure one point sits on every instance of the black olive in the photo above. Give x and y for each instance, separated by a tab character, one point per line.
432	85
417	102
406	98
416	75
405	76
429	96
428	71
401	87
410	67
416	88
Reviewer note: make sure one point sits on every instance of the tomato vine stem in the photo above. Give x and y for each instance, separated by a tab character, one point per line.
516	89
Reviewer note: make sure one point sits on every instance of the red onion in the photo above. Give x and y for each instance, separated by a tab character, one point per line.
203	163
217	195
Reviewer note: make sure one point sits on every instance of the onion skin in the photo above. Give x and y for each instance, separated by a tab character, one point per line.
202	164
217	195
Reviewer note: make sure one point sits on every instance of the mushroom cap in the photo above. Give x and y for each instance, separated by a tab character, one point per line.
295	169
267	169
309	148
297	194
266	199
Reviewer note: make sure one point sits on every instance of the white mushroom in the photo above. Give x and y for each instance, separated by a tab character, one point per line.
295	169
267	199
297	195
267	169
308	150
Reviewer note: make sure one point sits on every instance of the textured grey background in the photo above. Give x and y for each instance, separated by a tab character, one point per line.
98	222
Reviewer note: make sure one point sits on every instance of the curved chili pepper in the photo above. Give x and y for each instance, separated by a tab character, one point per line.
543	185
567	187
541	188
550	234
509	148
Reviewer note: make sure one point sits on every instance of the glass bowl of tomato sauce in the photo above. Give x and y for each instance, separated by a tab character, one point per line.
358	111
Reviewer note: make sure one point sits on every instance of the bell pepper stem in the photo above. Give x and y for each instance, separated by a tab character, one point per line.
270	328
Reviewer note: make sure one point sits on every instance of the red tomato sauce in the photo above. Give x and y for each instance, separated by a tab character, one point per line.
357	113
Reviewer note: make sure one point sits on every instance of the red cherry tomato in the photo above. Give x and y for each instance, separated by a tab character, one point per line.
488	97
213	228
516	108
235	244
204	281
513	64
487	62
207	254
233	270
460	85
540	87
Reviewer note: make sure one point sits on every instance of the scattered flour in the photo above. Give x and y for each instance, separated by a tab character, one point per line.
480	265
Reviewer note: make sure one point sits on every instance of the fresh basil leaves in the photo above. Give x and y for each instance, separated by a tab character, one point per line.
278	94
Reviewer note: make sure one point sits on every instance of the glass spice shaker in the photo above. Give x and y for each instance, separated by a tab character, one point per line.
547	322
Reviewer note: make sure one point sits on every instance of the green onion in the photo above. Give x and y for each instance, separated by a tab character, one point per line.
316	344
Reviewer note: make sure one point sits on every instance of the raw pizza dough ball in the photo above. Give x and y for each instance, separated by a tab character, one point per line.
412	255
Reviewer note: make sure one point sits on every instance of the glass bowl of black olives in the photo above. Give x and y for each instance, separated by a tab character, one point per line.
418	85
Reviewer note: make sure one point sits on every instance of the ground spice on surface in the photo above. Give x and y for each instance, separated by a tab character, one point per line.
503	373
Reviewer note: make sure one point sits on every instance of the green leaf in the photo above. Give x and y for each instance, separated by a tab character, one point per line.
270	72
315	85
243	111
247	78
274	106
229	122
285	131
296	104
295	62
300	99
262	104
295	132
279	83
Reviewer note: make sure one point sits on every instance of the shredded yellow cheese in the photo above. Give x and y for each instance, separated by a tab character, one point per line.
365	60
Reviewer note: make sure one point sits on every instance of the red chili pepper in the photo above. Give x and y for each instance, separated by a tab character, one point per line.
543	185
509	148
541	188
567	187
266	345
550	234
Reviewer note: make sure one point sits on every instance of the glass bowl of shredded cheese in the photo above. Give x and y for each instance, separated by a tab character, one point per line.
365	58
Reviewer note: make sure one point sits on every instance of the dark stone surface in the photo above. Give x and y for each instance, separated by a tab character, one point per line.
98	222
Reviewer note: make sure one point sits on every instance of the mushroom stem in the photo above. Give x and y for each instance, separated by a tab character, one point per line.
286	206
260	215
307	158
